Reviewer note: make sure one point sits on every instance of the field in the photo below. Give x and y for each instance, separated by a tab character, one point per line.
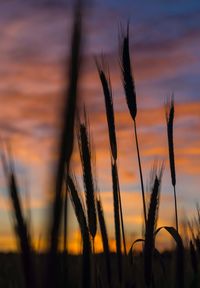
127	266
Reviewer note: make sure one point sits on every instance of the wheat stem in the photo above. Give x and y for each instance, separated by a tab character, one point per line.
140	171
104	236
107	91
175	206
121	212
117	219
170	123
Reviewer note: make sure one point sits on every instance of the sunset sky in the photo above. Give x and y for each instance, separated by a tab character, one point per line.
34	48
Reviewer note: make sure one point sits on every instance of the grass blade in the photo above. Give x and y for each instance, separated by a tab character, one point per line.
179	254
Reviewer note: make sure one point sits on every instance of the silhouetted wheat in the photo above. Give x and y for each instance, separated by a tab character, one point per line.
170	120
104	236
85	154
128	81
80	215
149	245
66	142
117	219
107	90
20	225
130	93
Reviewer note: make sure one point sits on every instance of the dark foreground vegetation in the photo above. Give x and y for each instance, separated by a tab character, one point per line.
12	274
177	268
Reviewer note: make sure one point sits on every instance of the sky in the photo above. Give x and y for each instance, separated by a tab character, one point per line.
34	51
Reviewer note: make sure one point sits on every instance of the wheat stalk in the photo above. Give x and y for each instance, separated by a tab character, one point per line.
130	93
170	121
117	218
104	236
128	81
107	91
66	143
149	245
85	154
21	229
80	215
